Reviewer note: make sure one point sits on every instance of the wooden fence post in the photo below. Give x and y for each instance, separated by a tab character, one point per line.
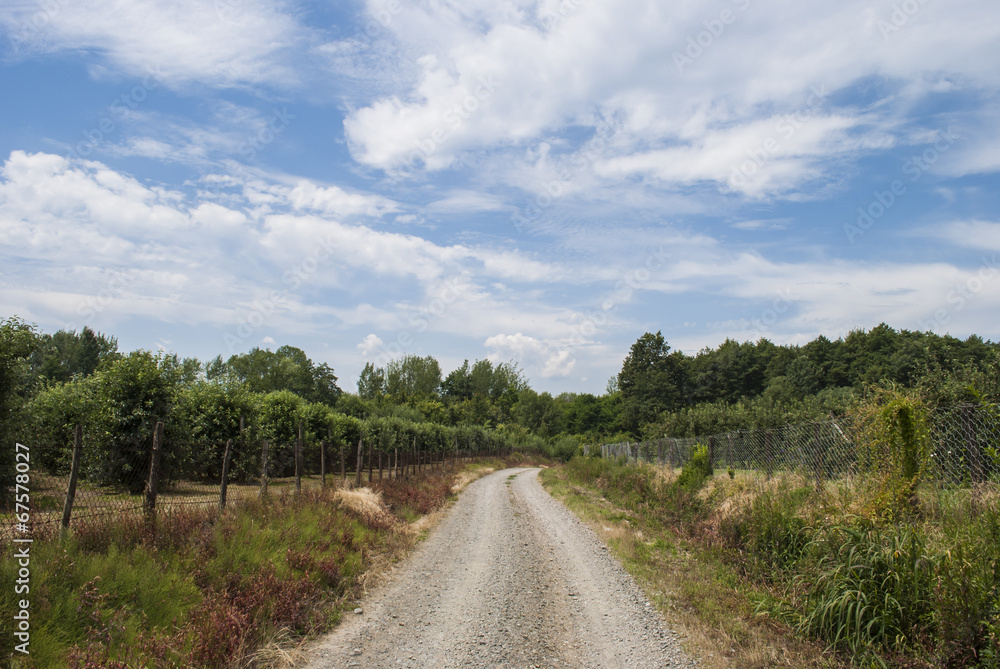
371	459
225	475
361	463
322	463
972	446
153	482
298	461
820	466
263	468
395	459
343	466
380	465
73	473
768	442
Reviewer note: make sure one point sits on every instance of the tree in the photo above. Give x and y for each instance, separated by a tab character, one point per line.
371	383
68	354
413	377
651	381
17	342
288	368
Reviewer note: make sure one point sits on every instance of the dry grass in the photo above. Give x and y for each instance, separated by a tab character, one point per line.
707	605
467	476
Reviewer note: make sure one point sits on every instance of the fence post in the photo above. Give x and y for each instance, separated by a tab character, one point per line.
395	463
820	465
711	451
73	473
371	459
322	463
343	466
154	470
263	468
298	461
767	453
380	465
972	445
225	474
361	463
729	450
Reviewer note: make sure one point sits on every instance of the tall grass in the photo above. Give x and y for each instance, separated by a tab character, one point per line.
199	589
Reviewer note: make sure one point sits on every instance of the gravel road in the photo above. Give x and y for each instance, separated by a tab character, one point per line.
508	578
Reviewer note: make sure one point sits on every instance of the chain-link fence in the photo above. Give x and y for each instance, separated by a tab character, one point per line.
962	444
88	483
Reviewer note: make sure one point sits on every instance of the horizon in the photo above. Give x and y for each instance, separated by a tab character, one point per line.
531	181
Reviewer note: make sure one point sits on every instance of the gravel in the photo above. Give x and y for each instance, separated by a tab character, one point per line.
509	578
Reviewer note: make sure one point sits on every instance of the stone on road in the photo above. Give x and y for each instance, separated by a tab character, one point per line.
509	578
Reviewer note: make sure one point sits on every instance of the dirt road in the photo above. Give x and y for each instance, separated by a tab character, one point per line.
509	578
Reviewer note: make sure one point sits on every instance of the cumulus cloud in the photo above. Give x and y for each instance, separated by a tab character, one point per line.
548	358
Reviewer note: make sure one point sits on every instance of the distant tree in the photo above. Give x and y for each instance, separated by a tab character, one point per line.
371	383
288	368
68	354
413	377
652	380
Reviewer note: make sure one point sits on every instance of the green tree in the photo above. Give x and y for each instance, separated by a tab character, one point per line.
68	354
652	381
413	377
17	343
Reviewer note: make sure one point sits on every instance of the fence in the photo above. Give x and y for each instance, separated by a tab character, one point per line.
86	482
963	445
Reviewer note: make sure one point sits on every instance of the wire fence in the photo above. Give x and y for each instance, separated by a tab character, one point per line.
87	482
962	445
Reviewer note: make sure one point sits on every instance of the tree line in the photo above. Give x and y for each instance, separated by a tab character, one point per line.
50	382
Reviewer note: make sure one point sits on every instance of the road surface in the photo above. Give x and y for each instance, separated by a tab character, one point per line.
508	578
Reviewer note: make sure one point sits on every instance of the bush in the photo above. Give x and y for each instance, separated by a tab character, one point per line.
696	469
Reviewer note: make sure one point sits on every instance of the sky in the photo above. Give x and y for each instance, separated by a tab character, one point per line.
531	181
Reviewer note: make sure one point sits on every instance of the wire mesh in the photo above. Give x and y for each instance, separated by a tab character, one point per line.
962	446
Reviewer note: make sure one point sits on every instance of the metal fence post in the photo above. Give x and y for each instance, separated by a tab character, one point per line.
73	473
225	475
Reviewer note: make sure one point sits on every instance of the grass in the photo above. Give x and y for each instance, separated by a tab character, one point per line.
787	571
204	589
702	596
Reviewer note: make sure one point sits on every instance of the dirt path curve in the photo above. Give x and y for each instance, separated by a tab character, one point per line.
509	578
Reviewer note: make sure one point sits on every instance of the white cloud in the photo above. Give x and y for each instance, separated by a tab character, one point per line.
370	346
223	43
677	122
548	359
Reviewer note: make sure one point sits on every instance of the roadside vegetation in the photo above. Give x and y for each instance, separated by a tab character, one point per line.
885	568
240	589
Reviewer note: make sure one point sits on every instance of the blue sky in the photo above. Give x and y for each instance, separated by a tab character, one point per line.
531	181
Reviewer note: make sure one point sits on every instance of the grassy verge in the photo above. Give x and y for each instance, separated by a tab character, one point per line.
701	595
200	589
787	572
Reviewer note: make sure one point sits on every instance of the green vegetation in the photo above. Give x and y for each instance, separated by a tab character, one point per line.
889	567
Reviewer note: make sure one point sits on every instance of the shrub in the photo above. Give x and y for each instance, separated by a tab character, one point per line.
696	469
